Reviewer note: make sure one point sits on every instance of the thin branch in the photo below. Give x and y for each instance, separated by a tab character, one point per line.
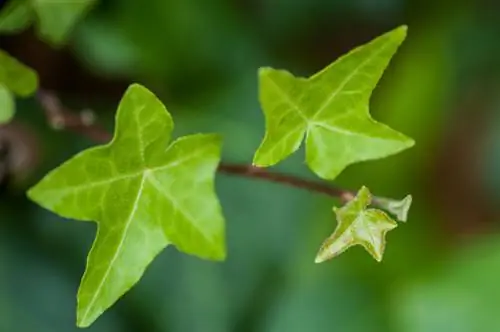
62	118
259	173
84	123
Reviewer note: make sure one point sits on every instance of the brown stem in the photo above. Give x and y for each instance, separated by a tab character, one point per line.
62	118
259	173
83	123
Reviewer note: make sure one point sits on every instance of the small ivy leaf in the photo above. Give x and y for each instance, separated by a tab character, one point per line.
399	208
330	109
142	194
6	105
15	76
56	19
357	225
16	16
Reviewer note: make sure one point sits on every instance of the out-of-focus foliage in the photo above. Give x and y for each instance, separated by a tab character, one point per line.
6	104
268	282
459	295
54	19
15	16
15	79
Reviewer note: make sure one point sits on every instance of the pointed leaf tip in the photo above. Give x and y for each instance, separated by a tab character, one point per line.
403	29
137	87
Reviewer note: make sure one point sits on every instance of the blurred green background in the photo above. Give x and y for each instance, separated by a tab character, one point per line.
441	269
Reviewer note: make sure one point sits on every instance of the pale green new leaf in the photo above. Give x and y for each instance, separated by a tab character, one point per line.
16	16
330	109
15	76
357	225
143	193
57	18
6	104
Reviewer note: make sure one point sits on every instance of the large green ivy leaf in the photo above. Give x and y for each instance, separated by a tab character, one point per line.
15	79
54	19
331	110
143	196
358	225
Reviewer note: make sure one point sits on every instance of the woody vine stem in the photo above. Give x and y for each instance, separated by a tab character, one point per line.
84	123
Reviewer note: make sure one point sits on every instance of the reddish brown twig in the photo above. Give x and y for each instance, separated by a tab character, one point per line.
83	123
259	173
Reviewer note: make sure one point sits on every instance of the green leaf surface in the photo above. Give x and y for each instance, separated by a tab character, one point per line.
6	105
331	110
57	18
15	17
15	76
357	225
143	196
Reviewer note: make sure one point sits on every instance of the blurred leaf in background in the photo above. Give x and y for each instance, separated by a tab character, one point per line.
54	20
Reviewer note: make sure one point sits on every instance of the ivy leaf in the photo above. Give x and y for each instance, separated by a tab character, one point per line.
56	18
15	17
357	225
15	76
330	109
143	196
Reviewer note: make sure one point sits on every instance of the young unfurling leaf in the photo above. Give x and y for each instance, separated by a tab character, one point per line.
330	110
357	225
143	193
399	208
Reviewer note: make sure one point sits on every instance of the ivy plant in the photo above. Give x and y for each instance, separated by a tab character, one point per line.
147	191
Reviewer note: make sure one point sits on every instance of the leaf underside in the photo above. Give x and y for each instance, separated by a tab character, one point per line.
330	110
144	195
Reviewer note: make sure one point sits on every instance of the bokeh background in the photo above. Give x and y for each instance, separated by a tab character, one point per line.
441	270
